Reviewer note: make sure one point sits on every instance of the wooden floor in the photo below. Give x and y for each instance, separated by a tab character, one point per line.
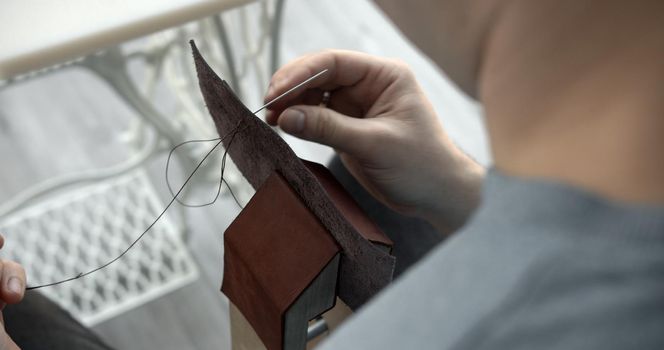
69	121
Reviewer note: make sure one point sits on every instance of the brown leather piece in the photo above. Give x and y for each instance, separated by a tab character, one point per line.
258	151
273	250
347	205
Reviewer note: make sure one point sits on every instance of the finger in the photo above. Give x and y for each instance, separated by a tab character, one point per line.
311	97
345	102
327	127
345	68
13	282
7	343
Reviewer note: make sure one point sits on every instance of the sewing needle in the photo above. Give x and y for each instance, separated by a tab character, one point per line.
292	89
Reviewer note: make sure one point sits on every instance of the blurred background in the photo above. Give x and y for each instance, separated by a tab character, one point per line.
94	94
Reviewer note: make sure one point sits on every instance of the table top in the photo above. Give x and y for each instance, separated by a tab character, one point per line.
38	33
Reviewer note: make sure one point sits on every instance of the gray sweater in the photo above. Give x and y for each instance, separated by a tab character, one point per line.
540	265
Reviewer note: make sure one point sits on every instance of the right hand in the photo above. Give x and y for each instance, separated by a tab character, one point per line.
384	128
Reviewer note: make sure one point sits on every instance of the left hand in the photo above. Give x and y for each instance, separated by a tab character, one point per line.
12	290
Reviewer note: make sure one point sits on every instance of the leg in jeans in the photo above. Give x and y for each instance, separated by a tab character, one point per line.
37	323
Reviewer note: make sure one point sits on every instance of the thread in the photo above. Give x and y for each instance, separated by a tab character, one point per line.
161	214
222	181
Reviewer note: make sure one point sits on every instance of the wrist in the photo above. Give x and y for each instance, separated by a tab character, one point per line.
456	193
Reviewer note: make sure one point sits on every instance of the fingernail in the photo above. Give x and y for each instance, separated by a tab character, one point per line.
268	94
271	89
293	121
15	285
268	115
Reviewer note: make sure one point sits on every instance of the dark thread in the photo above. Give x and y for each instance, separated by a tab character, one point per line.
222	181
219	141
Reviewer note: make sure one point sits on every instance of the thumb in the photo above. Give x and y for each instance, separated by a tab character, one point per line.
323	125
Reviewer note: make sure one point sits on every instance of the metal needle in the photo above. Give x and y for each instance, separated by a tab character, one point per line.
292	89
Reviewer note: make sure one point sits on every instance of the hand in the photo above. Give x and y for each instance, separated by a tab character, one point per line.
12	289
385	130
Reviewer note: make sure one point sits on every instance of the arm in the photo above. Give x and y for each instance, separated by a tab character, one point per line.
385	130
453	33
